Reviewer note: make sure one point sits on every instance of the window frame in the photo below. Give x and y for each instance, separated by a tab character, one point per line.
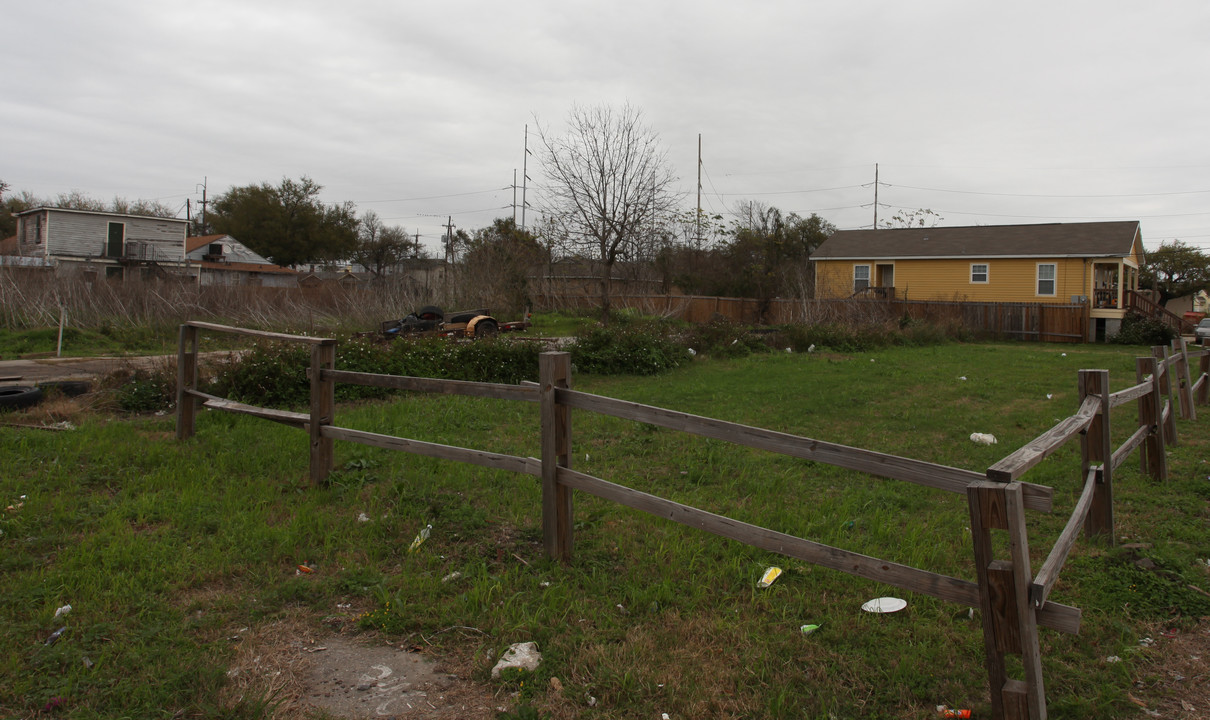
987	274
867	277
1053	280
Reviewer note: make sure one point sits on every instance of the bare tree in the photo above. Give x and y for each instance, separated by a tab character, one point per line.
608	185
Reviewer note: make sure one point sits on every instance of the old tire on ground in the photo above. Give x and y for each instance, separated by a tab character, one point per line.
67	388
16	397
486	328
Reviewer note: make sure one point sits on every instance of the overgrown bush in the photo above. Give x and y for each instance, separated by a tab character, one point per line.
631	347
1138	330
723	339
276	373
143	391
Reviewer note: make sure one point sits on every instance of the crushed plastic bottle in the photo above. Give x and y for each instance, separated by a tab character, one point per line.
948	712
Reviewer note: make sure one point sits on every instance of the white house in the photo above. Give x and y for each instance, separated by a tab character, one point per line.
114	243
223	260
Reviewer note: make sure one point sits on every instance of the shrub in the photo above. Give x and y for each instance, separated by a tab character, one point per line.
1138	330
724	338
636	347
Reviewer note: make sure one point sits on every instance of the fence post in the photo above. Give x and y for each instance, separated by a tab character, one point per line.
186	379
1203	393
554	372
1160	353
1008	614
1185	383
323	409
1096	446
1152	458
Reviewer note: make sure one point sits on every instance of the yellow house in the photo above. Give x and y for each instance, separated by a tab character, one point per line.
1094	264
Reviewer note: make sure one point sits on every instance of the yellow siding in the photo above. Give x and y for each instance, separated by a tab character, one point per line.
1009	280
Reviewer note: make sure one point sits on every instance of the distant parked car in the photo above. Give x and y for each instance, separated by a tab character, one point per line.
1203	330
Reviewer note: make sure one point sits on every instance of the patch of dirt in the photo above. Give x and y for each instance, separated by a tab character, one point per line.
1174	677
349	679
306	674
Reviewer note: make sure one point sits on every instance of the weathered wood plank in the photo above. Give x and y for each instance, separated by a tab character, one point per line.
1027	621
258	333
496	461
1134	392
1048	574
900	576
294	419
1131	444
1096	447
987	512
1029	455
941	477
1004	606
494	391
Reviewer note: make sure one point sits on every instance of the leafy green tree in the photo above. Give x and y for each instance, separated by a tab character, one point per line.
498	264
287	223
1175	270
770	253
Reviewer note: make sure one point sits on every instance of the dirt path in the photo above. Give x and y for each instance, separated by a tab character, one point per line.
31	371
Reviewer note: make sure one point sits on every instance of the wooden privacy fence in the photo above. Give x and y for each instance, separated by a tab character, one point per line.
1013	601
1043	322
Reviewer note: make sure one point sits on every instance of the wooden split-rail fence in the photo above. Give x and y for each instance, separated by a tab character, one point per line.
1014	601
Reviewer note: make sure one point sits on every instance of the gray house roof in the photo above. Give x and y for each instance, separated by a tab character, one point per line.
1095	239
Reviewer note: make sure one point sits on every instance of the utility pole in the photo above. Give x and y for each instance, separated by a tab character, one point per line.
698	219
514	196
204	202
524	176
875	196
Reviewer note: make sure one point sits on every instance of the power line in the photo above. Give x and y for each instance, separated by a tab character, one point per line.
1030	195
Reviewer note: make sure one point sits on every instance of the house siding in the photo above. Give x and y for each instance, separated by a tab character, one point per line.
1009	279
81	235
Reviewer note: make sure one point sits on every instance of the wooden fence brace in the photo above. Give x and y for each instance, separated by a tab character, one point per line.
186	379
554	372
1184	381
1164	376
1153	458
1008	615
323	409
1096	446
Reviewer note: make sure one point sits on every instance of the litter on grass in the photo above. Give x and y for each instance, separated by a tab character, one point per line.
983	438
808	629
420	538
771	574
884	605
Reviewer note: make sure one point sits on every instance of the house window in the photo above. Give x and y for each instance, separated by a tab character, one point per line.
1046	278
978	272
861	277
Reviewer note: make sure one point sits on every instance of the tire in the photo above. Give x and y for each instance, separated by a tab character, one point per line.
430	312
67	388
16	397
486	328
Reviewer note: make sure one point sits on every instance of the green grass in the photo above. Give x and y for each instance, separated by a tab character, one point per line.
165	549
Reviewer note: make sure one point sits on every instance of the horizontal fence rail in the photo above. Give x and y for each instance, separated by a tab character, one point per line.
1013	601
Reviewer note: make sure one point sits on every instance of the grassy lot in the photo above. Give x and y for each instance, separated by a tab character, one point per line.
170	552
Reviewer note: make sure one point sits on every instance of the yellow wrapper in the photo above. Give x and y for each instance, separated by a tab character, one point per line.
770	575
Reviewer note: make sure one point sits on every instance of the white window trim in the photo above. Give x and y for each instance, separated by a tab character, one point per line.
987	273
1054	280
868	277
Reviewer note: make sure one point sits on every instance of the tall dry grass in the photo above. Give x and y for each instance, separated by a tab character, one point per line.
30	300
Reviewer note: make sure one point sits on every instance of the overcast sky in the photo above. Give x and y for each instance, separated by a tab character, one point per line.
986	113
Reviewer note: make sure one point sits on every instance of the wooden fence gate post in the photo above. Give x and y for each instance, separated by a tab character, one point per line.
186	379
323	409
1096	446
554	372
1184	382
1009	621
1153	457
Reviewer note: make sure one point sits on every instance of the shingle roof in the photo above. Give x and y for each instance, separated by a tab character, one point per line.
1095	239
197	241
